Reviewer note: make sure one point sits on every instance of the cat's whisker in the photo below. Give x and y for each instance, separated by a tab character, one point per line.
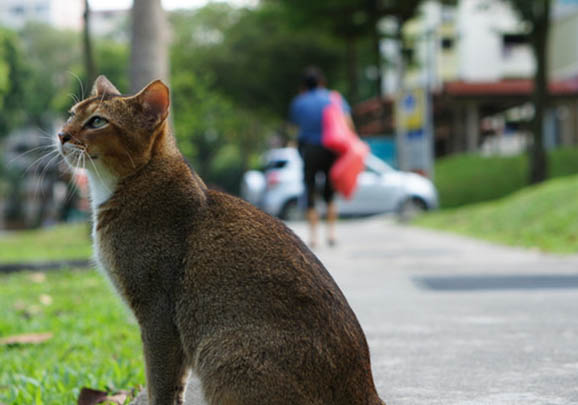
73	188
74	175
79	82
23	154
42	176
45	134
74	98
100	101
130	158
39	162
98	174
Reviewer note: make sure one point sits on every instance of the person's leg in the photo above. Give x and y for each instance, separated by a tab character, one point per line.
309	161
329	197
331	220
312	219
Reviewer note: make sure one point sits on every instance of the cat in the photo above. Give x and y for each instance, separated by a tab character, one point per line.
216	285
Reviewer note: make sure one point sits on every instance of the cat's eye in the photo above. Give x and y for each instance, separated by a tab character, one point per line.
96	122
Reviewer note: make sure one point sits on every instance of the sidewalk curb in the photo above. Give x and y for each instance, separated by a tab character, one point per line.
42	266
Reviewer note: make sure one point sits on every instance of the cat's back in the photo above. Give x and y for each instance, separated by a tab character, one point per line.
245	264
242	237
277	306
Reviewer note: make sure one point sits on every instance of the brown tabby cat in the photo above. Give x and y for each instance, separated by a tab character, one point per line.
215	284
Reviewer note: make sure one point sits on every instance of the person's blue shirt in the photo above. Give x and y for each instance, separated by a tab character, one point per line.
307	112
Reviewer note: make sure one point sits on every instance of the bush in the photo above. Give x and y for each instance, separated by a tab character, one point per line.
468	179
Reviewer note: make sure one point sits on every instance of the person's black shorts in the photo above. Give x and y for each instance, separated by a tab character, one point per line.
317	159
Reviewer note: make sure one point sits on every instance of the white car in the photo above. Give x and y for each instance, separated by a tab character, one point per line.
279	190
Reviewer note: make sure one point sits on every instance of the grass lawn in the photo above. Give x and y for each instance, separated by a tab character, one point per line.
95	343
55	243
467	179
543	216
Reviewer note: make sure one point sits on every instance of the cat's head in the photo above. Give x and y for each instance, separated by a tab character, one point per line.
113	133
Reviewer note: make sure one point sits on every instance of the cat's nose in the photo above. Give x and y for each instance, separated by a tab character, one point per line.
64	137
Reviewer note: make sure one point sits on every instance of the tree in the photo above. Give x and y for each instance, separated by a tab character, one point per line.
14	74
219	128
89	62
51	60
537	14
355	23
260	59
149	45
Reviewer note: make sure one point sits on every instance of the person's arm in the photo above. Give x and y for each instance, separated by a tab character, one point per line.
349	121
347	112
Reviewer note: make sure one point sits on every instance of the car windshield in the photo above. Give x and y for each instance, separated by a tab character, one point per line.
375	164
276	164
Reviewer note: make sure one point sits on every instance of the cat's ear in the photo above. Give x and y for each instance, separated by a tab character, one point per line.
103	86
155	99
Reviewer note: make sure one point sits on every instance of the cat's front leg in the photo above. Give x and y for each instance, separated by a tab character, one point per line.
165	362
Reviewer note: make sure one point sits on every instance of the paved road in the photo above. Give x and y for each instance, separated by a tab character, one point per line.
451	320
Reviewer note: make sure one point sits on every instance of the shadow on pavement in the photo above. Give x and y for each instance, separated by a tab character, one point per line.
497	282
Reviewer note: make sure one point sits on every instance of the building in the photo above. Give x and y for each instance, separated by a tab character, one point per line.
113	24
477	61
477	41
64	14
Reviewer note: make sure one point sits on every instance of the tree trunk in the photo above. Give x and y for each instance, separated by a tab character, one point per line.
353	94
538	158
89	63
149	44
376	39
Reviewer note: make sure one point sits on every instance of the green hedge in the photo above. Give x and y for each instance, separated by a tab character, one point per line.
468	179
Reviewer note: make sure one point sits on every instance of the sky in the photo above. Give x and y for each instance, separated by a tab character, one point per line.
168	4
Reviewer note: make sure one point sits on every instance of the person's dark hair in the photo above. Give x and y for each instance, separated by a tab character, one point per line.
313	77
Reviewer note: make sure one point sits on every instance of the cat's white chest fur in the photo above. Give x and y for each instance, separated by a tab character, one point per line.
102	185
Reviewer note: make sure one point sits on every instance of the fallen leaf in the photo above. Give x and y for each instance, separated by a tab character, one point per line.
37	277
28	338
45	299
119	398
28	311
19	305
88	396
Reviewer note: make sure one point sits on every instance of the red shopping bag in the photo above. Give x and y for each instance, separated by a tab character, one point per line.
344	172
336	134
338	137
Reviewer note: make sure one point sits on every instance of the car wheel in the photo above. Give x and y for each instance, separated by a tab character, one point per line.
292	211
411	208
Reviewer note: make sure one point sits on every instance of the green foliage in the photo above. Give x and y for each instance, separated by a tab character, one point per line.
468	179
234	73
94	341
112	60
13	77
51	78
56	243
53	59
255	56
544	217
229	86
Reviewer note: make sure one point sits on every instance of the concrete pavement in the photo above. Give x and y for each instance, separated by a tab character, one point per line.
451	320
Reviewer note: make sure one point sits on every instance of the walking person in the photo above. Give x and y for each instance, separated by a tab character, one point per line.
306	112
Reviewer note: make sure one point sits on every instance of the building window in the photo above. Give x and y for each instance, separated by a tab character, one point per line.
447	43
511	42
17	11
